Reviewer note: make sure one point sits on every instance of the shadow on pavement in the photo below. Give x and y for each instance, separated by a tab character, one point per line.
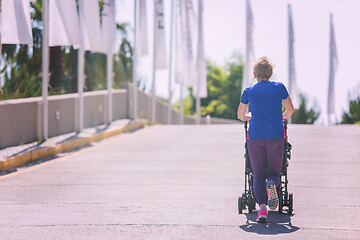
28	149
276	224
43	160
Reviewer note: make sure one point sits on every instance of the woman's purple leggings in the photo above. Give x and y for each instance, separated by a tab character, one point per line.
266	158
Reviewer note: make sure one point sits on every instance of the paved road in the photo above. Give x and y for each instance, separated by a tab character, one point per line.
182	182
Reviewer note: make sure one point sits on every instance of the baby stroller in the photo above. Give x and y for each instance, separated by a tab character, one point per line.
247	199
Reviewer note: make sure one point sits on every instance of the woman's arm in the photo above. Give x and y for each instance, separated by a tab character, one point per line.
241	113
289	108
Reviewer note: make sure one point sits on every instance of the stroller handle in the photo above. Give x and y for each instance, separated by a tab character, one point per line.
285	122
246	129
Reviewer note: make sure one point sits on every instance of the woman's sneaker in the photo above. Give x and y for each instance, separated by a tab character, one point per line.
273	200
262	216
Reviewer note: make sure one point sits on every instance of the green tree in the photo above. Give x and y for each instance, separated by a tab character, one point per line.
23	65
70	70
304	116
123	58
224	90
353	116
235	69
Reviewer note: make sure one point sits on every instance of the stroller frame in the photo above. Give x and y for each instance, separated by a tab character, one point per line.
247	198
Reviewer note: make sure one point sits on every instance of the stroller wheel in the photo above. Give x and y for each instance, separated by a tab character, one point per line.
240	205
290	203
281	201
280	204
251	202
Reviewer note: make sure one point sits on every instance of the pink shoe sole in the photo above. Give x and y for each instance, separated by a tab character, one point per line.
273	199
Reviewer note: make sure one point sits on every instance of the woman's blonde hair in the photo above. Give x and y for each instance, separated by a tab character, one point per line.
263	68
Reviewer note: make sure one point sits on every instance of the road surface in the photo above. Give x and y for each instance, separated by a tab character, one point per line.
182	182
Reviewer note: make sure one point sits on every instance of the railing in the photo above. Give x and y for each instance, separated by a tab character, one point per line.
21	119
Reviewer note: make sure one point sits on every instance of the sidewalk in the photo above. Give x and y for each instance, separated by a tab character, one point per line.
12	157
182	183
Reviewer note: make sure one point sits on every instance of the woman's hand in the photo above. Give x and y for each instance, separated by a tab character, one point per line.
289	108
241	113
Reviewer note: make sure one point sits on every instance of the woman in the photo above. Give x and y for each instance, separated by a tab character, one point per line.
265	138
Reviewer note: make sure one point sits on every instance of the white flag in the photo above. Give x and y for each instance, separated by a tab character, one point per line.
200	89
292	78
191	18
143	33
16	22
180	46
191	74
333	67
90	23
248	75
159	38
108	27
185	67
64	29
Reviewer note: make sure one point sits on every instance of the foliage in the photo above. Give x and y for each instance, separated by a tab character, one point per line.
224	90
304	116
353	116
22	65
22	69
123	59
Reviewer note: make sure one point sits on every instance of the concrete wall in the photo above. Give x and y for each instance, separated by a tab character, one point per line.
95	104
144	111
18	121
61	114
21	119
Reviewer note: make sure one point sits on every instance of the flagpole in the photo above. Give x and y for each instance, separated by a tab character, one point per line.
0	50
109	29
109	86
181	104
45	66
333	55
289	58
134	80
331	71
198	106
245	72
330	67
81	63
198	103
187	75
81	69
170	60
0	39
176	62
153	108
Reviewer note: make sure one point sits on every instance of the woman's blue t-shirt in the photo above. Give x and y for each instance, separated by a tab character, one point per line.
265	100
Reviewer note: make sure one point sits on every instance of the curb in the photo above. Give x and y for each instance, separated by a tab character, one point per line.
31	156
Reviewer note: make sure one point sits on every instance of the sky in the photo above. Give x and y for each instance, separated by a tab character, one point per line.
224	33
